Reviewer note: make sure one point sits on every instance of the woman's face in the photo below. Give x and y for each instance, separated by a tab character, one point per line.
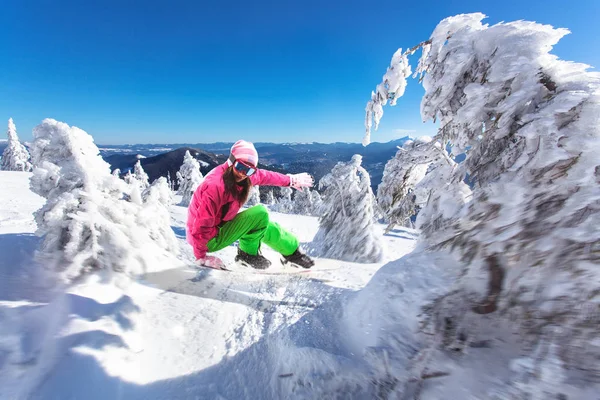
239	176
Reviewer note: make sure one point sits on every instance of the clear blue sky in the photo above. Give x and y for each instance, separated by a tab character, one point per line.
194	71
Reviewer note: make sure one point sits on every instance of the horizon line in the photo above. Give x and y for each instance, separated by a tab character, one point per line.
231	142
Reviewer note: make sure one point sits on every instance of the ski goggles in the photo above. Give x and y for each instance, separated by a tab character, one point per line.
241	167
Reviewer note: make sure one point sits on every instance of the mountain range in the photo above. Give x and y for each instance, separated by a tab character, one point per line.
315	158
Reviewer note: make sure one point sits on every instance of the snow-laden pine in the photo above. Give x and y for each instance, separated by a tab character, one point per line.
346	229
284	203
270	198
302	202
140	176
189	178
253	197
15	156
170	182
317	203
530	126
129	178
155	217
86	223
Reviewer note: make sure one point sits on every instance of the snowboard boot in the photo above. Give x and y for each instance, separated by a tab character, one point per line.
298	259
257	261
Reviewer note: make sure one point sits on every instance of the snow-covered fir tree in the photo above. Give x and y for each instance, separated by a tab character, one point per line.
346	229
15	156
531	125
159	189
253	197
141	177
155	217
284	202
129	178
116	172
270	198
170	182
86	224
302	202
317	204
189	178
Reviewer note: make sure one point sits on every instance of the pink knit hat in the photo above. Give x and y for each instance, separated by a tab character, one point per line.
245	151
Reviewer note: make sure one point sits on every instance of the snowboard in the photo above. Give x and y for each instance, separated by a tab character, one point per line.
274	270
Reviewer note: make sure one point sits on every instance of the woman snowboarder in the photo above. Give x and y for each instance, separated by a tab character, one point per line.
214	222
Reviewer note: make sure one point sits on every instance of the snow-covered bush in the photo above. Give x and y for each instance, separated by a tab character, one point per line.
531	125
302	202
86	223
15	156
189	178
346	229
253	197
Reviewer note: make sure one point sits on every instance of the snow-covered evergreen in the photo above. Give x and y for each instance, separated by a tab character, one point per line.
302	202
170	182
129	178
189	178
179	178
86	224
531	125
284	203
141	177
346	229
270	198
253	197
317	204
154	215
116	172
15	156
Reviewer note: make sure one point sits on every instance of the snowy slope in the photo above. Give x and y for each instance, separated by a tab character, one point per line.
17	239
196	333
350	331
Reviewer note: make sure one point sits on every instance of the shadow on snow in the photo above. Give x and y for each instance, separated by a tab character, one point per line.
260	371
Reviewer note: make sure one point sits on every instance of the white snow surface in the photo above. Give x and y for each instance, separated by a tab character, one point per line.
176	333
183	333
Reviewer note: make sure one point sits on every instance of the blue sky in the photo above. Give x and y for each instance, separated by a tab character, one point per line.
175	72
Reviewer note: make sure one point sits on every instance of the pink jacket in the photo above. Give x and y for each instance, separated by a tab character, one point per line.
206	208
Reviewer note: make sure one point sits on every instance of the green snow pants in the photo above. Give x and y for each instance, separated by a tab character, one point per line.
251	227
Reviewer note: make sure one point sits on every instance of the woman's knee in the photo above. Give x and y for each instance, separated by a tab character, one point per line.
260	212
